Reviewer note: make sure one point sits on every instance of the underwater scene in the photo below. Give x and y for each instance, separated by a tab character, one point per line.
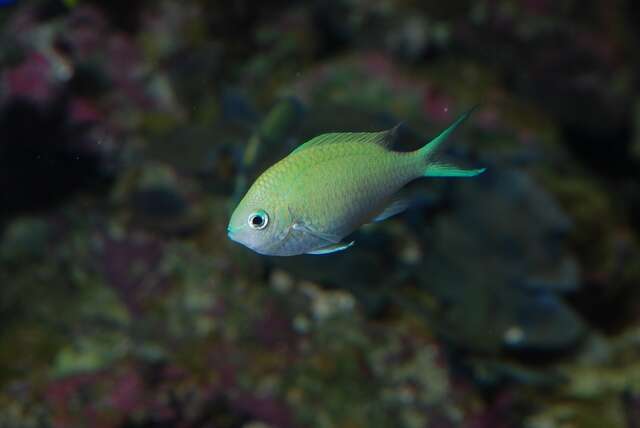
344	213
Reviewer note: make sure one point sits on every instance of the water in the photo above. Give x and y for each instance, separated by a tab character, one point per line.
128	132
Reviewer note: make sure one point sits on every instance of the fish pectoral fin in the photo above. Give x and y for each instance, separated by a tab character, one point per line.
395	207
302	227
332	248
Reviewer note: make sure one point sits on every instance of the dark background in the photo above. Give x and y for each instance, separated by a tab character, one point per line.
128	129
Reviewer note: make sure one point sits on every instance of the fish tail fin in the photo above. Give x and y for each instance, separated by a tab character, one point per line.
439	169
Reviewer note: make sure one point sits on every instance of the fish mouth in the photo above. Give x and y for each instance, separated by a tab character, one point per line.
230	232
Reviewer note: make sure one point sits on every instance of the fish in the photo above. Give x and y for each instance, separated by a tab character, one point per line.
325	189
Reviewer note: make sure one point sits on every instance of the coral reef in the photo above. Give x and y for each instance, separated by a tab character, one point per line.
128	130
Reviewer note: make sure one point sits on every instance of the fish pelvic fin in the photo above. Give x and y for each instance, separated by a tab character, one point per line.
430	150
333	248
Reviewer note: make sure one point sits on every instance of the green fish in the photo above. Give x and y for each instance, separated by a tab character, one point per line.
308	202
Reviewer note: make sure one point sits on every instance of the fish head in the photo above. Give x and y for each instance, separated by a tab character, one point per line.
257	223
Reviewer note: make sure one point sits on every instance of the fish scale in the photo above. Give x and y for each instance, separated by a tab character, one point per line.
343	178
328	187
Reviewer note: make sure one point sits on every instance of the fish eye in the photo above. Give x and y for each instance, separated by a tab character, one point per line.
258	220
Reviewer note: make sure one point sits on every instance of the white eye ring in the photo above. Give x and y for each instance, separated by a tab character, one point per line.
258	220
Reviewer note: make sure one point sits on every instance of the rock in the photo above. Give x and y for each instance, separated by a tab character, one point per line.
512	304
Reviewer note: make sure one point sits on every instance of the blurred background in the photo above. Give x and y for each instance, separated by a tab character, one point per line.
128	129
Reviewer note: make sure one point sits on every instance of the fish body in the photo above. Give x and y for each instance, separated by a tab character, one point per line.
328	187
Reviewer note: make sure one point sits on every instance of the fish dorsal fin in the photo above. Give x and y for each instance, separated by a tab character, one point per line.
382	138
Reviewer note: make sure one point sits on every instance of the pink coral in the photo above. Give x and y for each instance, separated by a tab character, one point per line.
31	79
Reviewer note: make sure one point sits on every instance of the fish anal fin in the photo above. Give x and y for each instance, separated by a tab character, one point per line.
333	248
395	207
